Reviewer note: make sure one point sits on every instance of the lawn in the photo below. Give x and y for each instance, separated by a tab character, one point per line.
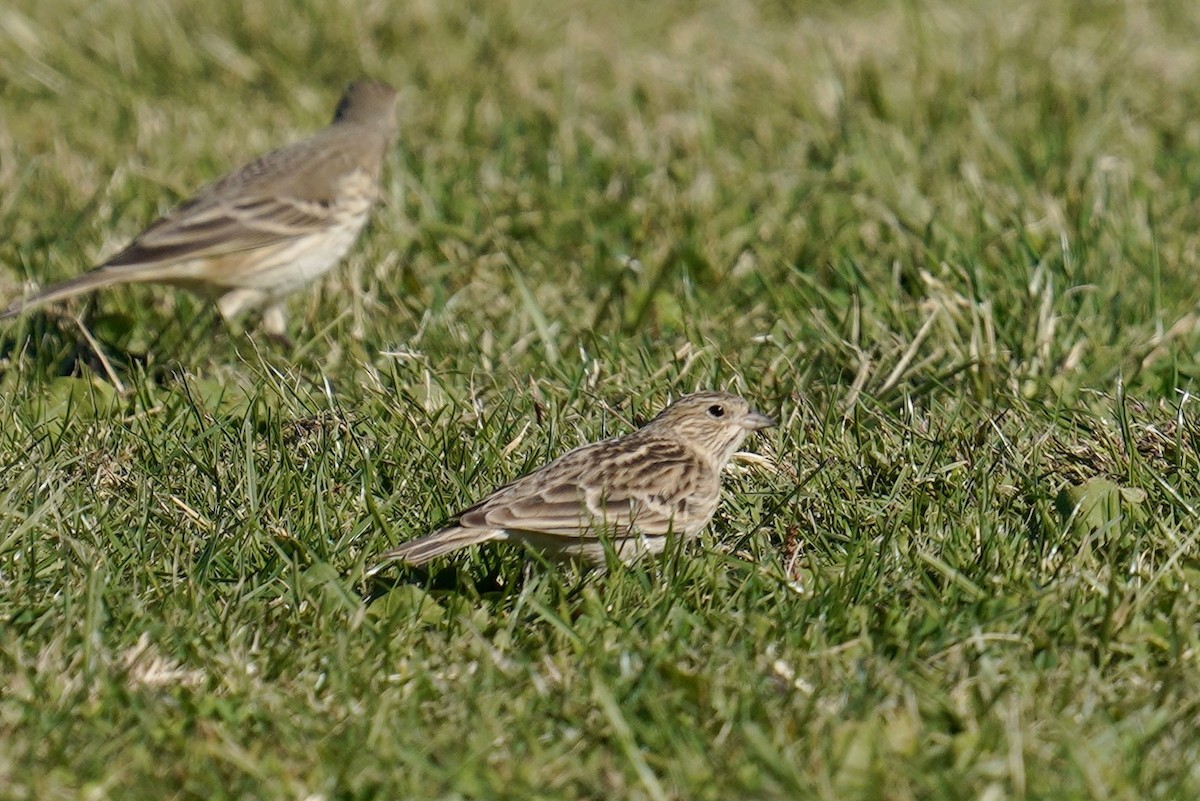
952	246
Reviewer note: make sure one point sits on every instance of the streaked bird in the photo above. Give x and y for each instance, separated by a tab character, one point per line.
266	229
634	491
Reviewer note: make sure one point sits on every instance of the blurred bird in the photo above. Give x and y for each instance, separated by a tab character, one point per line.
633	491
266	229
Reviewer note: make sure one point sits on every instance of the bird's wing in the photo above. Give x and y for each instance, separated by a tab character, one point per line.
202	229
285	194
651	491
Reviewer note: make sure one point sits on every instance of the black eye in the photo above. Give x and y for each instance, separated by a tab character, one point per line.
716	410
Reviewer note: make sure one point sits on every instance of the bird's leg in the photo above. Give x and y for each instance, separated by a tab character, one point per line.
273	322
274	325
236	302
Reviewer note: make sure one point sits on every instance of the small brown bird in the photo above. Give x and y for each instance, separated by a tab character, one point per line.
266	229
635	490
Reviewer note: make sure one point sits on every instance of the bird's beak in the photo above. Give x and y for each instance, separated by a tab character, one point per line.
756	421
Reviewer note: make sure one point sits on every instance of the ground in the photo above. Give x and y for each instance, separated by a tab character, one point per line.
953	247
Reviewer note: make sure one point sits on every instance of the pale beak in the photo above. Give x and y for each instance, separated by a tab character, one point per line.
756	421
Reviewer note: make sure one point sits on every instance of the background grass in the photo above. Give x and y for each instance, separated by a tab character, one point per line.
953	246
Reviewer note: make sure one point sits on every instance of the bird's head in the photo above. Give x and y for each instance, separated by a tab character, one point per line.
367	103
715	423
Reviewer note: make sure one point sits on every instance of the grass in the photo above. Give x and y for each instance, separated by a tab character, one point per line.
952	246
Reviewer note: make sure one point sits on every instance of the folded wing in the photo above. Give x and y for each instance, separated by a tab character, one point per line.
600	487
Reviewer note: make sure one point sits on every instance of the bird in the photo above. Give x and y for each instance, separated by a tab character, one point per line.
632	491
266	229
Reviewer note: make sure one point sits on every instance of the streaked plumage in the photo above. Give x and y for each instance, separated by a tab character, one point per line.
266	229
663	478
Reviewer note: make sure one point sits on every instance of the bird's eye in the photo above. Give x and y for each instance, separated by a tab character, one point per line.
716	410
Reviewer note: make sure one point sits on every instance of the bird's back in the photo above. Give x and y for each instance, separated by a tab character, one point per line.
633	484
268	201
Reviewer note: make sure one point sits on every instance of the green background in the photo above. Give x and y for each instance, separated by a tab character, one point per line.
952	246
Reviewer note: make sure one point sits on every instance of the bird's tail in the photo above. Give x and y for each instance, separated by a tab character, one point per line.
85	282
439	543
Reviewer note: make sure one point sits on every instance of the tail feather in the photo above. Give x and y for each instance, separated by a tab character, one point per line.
85	282
439	543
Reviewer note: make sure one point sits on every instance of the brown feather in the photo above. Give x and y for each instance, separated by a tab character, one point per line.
632	491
